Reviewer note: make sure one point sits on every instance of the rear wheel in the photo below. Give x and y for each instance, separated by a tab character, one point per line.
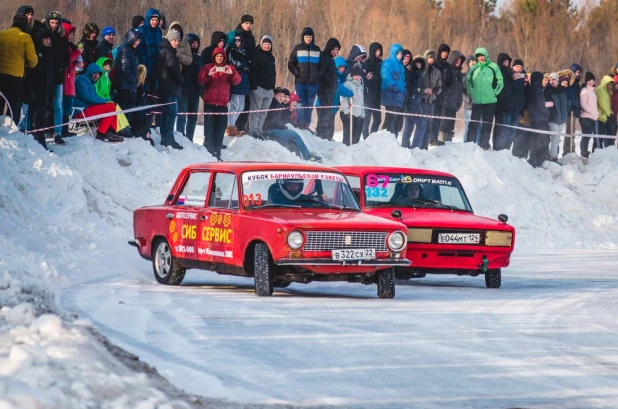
493	278
167	270
262	271
386	283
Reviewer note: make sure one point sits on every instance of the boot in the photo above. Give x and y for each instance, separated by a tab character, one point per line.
58	140
65	130
109	137
173	144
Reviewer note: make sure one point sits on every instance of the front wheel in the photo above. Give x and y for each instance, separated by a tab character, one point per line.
167	270
262	271
493	278
386	283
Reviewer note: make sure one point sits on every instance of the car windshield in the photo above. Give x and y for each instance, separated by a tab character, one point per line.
296	189
409	190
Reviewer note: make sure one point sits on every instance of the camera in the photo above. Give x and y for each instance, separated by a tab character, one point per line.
219	69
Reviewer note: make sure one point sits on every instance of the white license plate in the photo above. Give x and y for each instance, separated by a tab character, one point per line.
354	254
459	238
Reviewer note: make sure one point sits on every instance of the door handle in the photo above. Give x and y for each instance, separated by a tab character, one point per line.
170	215
202	218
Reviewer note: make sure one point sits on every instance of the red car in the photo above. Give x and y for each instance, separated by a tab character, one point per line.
444	235
278	223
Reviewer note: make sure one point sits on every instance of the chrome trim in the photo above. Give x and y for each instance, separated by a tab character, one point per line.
336	240
388	262
134	243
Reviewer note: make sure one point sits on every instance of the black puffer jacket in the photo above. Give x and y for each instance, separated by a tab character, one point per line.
277	119
414	78
374	65
126	63
263	72
214	39
39	84
535	99
189	72
170	77
505	102
453	96
60	52
90	46
327	83
305	62
446	73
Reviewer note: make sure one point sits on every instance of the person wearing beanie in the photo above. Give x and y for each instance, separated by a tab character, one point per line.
60	52
246	19
105	47
262	79
453	100
574	107
327	88
149	48
126	74
183	51
305	64
373	81
557	114
354	82
17	50
137	21
589	113
238	56
431	86
505	115
169	86
189	99
88	44
518	98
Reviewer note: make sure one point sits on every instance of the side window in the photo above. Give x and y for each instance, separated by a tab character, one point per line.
355	185
224	192
194	191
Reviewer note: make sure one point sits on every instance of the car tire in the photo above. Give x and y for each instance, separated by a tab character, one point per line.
167	270
386	283
493	278
262	271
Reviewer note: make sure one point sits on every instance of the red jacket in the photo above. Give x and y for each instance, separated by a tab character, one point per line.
69	73
217	87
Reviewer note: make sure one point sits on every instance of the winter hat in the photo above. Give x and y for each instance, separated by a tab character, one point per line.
518	62
20	20
266	39
173	35
589	76
356	70
53	15
25	10
566	78
136	21
108	30
246	19
554	76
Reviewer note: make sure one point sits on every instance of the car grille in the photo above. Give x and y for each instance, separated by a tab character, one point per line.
332	240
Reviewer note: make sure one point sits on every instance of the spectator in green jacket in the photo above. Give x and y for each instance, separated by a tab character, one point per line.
104	85
604	103
484	83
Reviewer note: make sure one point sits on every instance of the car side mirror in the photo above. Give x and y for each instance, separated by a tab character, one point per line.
503	218
396	214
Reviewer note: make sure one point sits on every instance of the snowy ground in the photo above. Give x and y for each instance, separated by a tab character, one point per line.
547	338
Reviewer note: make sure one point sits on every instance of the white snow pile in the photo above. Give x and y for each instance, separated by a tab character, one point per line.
69	213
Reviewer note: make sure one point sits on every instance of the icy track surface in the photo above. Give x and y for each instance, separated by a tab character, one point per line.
547	338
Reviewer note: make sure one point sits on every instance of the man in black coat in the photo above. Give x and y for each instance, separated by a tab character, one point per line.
446	78
190	95
169	87
327	88
505	115
40	83
60	53
218	39
373	82
126	72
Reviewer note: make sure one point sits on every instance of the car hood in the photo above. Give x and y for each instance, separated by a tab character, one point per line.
327	220
442	219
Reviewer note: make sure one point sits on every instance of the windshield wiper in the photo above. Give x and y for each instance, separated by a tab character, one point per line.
276	205
316	200
435	202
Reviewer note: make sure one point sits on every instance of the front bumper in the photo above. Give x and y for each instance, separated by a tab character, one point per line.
315	262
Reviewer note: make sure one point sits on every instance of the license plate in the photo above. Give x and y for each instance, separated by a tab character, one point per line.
354	254
459	238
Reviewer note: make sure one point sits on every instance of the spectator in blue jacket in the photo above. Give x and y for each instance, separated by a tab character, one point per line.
393	93
149	48
305	65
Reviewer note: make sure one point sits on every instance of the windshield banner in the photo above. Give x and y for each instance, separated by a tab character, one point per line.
274	175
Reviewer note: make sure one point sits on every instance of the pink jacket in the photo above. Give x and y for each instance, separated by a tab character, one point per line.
588	100
69	73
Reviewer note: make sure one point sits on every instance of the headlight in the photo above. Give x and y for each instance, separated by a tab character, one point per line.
420	235
498	238
295	240
397	241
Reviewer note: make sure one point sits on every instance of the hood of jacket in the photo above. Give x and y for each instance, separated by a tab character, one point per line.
309	32
149	13
443	47
421	60
92	69
483	52
392	52
216	37
25	10
568	72
536	79
429	51
330	44
101	62
606	80
266	37
372	51
575	67
218	50
132	36
176	26
191	37
454	56
502	57
90	28
357	51
39	36
340	62
403	55
68	29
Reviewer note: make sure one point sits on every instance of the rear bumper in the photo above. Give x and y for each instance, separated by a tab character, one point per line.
316	262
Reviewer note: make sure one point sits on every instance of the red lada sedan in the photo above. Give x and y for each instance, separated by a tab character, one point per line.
278	223
444	235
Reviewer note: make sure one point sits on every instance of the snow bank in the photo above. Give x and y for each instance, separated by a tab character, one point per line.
68	214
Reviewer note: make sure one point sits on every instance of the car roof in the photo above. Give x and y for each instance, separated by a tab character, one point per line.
362	170
249	166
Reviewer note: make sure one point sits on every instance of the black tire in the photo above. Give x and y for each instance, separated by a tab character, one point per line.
386	283
493	278
262	271
167	270
281	283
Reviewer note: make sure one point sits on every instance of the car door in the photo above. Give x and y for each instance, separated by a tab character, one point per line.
184	220
219	221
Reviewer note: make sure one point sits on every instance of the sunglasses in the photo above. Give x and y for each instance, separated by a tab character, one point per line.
237	40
